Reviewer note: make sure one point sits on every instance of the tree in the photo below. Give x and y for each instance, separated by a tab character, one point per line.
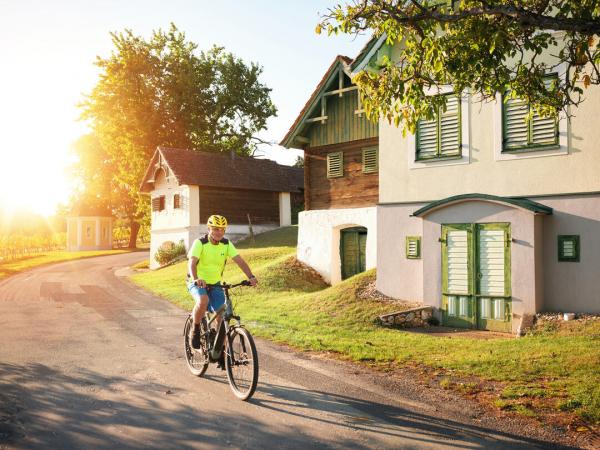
299	162
160	92
484	46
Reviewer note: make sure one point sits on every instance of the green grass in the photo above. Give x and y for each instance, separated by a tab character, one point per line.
292	306
22	264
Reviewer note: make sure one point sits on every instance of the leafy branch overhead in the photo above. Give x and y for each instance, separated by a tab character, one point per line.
483	46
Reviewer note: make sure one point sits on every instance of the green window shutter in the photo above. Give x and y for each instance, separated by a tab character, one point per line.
523	128
369	160
516	129
440	137
335	165
427	139
413	247
450	128
568	248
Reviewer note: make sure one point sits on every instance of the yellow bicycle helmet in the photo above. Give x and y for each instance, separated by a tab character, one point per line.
217	221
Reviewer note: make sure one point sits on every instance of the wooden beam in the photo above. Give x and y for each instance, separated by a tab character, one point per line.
341	91
340	81
323	108
302	140
306	182
321	119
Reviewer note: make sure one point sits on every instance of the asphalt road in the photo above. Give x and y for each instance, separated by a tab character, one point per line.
87	360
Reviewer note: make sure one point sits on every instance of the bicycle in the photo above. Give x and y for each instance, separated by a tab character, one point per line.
231	341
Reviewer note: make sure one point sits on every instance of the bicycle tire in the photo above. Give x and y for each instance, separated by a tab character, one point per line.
197	360
241	359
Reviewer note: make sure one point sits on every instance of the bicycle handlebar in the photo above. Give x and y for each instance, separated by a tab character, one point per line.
229	286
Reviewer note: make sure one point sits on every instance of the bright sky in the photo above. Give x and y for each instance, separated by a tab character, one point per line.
47	49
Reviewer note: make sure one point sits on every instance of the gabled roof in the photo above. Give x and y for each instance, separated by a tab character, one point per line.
366	53
340	61
523	203
222	170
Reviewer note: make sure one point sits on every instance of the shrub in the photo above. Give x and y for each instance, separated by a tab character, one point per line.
169	251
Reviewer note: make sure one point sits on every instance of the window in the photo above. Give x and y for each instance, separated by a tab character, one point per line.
568	248
440	137
335	165
413	247
176	201
523	129
158	203
369	160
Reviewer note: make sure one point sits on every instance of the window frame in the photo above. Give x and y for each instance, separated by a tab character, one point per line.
329	172
176	201
576	239
438	117
530	146
364	166
417	240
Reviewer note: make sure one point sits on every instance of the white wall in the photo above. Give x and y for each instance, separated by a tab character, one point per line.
319	238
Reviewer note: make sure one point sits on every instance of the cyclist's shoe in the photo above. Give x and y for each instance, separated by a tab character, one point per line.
221	362
196	339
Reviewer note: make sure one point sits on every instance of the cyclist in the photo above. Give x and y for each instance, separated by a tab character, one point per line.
206	263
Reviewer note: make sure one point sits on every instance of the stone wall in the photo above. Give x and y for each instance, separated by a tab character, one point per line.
410	318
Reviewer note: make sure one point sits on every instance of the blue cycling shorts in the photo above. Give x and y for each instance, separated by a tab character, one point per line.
216	296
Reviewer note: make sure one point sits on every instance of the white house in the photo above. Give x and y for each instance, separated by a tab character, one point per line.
186	187
483	215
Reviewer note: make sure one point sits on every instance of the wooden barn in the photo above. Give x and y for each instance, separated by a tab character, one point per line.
341	177
187	186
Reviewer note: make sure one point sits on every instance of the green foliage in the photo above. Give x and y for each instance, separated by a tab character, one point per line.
161	92
478	47
169	251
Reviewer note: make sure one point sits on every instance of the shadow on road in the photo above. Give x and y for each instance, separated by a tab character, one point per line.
389	420
41	407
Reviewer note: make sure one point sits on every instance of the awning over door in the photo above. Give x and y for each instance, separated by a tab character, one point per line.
523	203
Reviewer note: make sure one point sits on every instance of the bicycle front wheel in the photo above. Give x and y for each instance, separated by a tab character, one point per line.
241	362
197	359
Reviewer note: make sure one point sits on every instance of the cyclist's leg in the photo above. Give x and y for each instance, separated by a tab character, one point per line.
200	297
216	300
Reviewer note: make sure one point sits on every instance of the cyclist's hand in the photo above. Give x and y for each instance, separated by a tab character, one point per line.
200	283
253	281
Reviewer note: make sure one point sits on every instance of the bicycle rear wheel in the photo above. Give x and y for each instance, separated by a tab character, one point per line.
197	359
241	362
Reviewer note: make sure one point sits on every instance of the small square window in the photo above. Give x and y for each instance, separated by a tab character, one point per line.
568	248
335	165
413	247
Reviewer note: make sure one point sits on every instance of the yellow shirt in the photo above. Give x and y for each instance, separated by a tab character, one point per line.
212	258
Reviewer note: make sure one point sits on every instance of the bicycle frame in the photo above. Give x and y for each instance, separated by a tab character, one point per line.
226	311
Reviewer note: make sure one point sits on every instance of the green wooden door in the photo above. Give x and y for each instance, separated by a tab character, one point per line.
493	287
353	251
476	276
458	296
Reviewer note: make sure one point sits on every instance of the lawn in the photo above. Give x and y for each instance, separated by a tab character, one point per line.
22	264
549	371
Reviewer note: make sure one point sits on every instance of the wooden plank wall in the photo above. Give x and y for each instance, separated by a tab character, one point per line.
355	189
342	125
263	206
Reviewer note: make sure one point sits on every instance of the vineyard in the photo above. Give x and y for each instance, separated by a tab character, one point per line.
17	246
